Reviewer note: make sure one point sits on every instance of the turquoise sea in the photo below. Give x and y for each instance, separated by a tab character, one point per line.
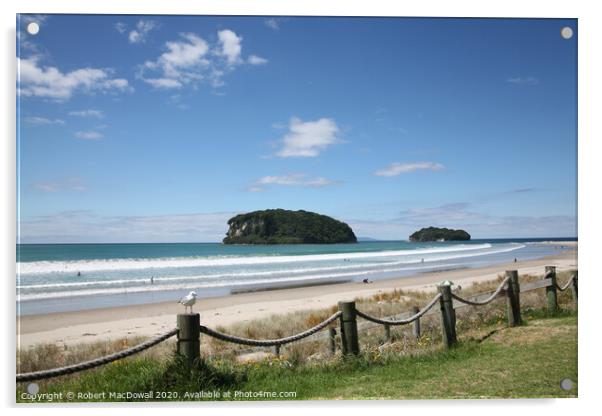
63	277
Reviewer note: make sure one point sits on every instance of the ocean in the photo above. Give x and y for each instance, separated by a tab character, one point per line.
70	277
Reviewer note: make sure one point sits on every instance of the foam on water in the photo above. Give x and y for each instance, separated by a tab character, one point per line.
39	267
223	283
408	262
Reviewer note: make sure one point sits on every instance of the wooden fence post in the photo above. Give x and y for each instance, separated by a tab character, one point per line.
349	328
513	298
448	314
574	288
551	294
387	332
332	333
416	323
189	336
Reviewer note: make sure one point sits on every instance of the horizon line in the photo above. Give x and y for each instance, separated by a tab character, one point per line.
371	240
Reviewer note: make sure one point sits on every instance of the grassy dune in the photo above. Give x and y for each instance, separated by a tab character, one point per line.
529	361
490	360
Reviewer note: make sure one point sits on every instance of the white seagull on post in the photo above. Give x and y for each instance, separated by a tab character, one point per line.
188	301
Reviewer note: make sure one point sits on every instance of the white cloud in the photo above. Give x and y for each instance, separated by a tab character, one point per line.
88	135
395	169
87	113
164	83
24	39
462	215
230	44
176	100
274	22
69	184
192	60
257	60
451	214
296	179
184	54
37	18
143	27
308	139
50	82
43	121
88	227
523	80
121	27
183	62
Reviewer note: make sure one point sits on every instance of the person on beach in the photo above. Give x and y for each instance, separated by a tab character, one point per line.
152	280
79	274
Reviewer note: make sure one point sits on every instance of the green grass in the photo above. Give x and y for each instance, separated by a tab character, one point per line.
491	362
528	361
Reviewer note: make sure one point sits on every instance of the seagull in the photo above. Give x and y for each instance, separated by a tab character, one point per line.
188	300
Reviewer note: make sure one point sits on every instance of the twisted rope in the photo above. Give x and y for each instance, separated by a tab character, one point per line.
401	321
268	342
565	287
86	365
483	302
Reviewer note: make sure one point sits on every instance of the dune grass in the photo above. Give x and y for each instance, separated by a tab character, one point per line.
527	361
493	362
405	366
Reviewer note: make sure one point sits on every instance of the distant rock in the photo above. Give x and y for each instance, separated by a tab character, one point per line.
439	234
279	226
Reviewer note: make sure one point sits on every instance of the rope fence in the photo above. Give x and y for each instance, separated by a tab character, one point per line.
86	365
189	328
483	302
401	321
269	342
567	285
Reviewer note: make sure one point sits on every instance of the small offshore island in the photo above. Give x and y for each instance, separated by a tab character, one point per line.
439	234
280	226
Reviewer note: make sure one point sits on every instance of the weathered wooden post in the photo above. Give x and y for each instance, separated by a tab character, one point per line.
332	333
513	298
349	328
387	332
574	288
448	314
416	323
189	336
551	294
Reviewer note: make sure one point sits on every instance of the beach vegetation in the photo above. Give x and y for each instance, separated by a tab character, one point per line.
491	359
279	226
439	234
494	361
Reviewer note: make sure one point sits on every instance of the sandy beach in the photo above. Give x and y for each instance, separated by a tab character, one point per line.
68	328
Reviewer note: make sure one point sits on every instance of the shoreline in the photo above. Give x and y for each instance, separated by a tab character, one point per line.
103	324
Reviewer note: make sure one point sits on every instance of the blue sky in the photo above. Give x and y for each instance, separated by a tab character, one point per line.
160	128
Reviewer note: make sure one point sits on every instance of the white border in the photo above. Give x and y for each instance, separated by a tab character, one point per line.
589	172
